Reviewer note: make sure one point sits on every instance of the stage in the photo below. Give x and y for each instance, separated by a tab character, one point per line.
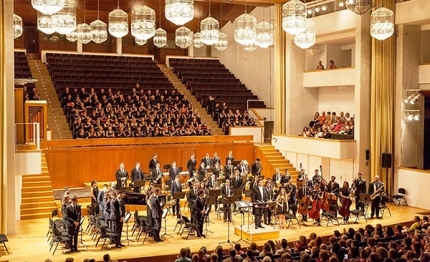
30	243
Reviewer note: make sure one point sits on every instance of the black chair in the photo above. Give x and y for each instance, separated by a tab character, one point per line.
290	216
145	229
180	223
191	227
3	240
360	212
383	206
59	238
331	215
105	235
400	196
167	167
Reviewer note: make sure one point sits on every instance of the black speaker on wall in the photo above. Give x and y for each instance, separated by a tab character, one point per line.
386	160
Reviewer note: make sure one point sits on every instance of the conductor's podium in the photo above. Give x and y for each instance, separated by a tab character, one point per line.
252	234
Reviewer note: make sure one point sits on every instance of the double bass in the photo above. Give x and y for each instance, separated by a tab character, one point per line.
317	204
346	204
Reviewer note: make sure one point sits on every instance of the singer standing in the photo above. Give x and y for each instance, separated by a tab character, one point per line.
121	176
73	218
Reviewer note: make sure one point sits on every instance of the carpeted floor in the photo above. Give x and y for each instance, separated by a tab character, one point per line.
79	192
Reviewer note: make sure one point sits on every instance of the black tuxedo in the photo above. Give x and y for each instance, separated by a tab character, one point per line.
228	171
275	177
191	166
202	173
292	190
360	188
200	206
191	198
152	164
115	216
212	184
256	169
119	175
236	182
243	169
157	175
373	187
73	215
333	187
227	208
231	158
136	175
256	198
269	196
176	188
173	172
215	160
157	214
206	161
121	215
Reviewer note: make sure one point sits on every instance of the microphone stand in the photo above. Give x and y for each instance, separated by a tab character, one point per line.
239	204
228	201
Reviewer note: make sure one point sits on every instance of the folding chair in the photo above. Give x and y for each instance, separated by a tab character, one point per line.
361	211
331	215
3	240
59	238
383	206
400	195
289	217
105	235
189	226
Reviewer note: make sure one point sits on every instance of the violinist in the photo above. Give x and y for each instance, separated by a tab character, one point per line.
317	195
316	179
282	205
344	194
270	197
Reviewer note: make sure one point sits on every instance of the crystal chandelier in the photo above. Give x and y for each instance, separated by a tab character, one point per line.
382	23
179	12
197	41
17	26
118	23
209	29
48	7
264	34
250	47
83	32
307	38
244	29
294	17
65	20
139	41
98	28
183	37
359	7
160	38
44	23
72	37
143	22
222	43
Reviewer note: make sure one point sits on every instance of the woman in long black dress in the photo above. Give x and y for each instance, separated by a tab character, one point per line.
282	203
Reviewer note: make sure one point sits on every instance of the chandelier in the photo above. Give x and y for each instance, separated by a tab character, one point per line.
65	20
143	22
183	37
160	38
72	37
264	34
118	23
17	26
359	7
44	23
307	38
179	12
48	7
197	41
244	29
382	23
98	28
139	41
294	17
83	32
222	43
209	29
250	47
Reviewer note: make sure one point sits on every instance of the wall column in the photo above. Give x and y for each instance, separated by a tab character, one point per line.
279	73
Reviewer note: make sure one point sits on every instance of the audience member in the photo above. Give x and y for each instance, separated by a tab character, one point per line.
331	65
320	66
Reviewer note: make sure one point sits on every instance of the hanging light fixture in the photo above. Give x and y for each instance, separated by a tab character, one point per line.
382	23
98	28
307	38
359	7
183	37
222	43
118	23
139	41
294	17
264	29
44	23
245	32
209	29
250	47
179	12
197	41
83	31
143	22
17	26
48	7
72	37
65	20
160	35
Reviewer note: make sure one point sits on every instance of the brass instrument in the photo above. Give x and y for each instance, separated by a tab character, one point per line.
376	193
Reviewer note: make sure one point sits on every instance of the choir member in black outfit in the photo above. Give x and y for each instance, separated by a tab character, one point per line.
136	175
359	187
176	188
376	187
73	218
259	195
121	176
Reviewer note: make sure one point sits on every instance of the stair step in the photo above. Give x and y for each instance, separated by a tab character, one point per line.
36	199
38	210
38	193
38	204
36	178
34	216
36	184
36	188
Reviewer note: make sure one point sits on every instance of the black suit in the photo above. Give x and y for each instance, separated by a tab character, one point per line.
157	175
256	198
191	198
269	196
373	187
276	177
202	173
360	188
119	175
200	206
157	214
207	161
173	172
191	166
176	188
292	190
73	215
121	215
226	192
228	171
256	168
152	164
236	183
136	175
115	216
333	187
212	184
231	158
215	160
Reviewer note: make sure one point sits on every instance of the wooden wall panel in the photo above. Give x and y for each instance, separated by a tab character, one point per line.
74	166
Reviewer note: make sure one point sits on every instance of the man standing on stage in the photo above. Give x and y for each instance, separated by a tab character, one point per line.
153	162
316	179
121	217
191	198
115	217
73	212
121	176
176	188
226	191
173	171
237	182
228	170
375	191
258	196
256	167
157	214
136	175
215	159
359	187
157	174
200	212
291	189
206	161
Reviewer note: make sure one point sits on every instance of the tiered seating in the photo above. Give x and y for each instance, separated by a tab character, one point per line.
210	78
22	69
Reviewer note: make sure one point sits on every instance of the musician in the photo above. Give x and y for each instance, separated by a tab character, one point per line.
94	195
136	175
282	205
200	209
316	179
107	209
217	170
254	182
173	171
157	174
270	193
228	170
317	194
277	176
176	188
202	171
115	219
73	212
226	191
291	190
121	176
229	157
121	217
204	188
215	159
259	195
191	164
66	193
206	161
256	167
149	195
333	186
302	175
302	192
243	168
286	177
191	198
237	181
153	162
212	182
344	193
359	187
157	214
375	191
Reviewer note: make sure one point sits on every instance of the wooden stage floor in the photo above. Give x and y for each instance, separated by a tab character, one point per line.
30	243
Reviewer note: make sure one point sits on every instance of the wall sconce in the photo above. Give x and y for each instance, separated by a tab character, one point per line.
412	96
413	115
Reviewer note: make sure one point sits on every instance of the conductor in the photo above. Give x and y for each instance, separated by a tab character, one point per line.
259	195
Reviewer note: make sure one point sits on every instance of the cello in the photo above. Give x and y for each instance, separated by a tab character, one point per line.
346	201
314	213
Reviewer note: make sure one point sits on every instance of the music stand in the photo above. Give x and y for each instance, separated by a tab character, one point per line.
126	219
248	193
139	184
157	185
214	192
242	205
81	222
164	216
178	196
210	201
228	201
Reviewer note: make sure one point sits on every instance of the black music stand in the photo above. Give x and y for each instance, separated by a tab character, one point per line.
138	184
157	185
228	201
164	216
215	193
242	205
210	201
126	219
81	222
178	196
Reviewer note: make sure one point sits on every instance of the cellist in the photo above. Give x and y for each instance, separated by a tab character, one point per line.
344	195
302	192
317	195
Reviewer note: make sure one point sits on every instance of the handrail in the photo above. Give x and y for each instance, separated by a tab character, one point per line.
247	102
33	134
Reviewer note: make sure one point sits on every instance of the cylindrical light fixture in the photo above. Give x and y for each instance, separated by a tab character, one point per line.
382	23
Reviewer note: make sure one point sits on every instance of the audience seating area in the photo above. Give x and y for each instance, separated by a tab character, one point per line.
330	125
22	69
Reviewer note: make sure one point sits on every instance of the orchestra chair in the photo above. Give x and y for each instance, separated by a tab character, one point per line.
3	240
400	196
383	205
289	217
105	235
167	167
331	215
180	223
189	226
360	212
138	221
59	238
52	225
59	221
145	229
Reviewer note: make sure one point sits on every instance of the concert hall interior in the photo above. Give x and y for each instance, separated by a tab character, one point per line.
113	147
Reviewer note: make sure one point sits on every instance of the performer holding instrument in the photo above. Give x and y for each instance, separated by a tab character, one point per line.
291	190
282	205
157	174
176	188
153	162
270	192
256	167
121	176
228	170
304	200
191	199
317	202
317	178
191	164
173	171
226	191
333	188
136	175
376	188
346	201
201	210
358	187
73	212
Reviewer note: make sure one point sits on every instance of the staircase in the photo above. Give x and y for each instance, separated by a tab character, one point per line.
37	196
177	83
56	119
272	159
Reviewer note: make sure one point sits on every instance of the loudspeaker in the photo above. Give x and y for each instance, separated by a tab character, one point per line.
386	160
367	154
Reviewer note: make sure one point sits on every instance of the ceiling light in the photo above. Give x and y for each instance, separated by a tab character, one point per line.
98	28
183	37
209	29
324	8
17	26
118	23
44	23
359	7
197	41
64	21
143	22
309	11
250	47
72	37
307	38
413	115
410	116
160	38
417	116
317	9
341	4
222	43
264	34
48	7
382	23
139	41
415	99
244	29
294	17
179	12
